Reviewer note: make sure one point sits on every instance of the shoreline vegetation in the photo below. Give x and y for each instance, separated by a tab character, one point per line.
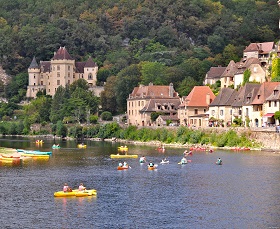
180	137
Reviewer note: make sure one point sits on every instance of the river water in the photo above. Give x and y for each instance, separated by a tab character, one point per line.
244	192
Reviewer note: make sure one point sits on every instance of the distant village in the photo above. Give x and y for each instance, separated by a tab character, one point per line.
253	103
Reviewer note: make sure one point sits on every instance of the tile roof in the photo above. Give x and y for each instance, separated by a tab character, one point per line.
154	91
246	94
45	66
152	105
230	69
215	72
242	66
197	97
169	117
90	63
80	67
34	63
62	54
225	97
266	89
275	95
262	48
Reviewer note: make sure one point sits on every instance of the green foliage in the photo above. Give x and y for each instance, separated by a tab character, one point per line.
275	70
61	129
154	115
246	78
93	119
106	116
277	115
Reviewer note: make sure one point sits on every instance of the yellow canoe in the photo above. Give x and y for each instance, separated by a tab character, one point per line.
123	156
35	155
122	148
76	193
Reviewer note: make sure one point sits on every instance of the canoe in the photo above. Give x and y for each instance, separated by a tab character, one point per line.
37	152
123	156
35	155
82	146
182	163
164	162
152	168
56	147
219	162
76	193
39	142
9	159
123	167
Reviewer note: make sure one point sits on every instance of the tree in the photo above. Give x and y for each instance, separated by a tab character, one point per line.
108	96
153	72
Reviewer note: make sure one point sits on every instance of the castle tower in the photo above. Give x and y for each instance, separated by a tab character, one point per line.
90	72
34	79
62	70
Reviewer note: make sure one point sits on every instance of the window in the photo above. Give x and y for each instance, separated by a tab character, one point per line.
221	112
58	82
247	112
68	81
195	111
212	112
58	74
68	74
49	90
68	68
58	68
41	82
275	103
269	103
34	77
139	103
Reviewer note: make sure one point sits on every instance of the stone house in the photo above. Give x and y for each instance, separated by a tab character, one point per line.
213	75
61	70
257	73
144	100
262	114
241	107
163	119
220	108
227	78
271	105
193	109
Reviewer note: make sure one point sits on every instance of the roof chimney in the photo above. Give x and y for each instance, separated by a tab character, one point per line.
207	98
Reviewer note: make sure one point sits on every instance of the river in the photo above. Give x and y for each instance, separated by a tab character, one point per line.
244	192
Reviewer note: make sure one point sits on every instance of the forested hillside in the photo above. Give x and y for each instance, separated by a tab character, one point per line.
133	41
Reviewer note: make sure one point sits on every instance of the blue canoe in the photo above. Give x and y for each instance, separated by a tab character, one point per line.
37	152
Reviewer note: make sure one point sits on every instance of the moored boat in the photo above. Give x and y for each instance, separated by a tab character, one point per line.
36	152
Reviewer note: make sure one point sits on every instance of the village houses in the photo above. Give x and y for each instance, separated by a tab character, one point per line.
253	103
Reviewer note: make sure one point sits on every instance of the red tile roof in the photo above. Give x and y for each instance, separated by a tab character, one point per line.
262	48
62	54
198	97
154	91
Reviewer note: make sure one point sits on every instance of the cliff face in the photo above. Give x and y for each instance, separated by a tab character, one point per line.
4	77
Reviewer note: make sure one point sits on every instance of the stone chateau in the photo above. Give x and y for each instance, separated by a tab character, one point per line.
61	70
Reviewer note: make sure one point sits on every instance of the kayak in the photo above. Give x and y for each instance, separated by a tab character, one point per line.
153	167
164	162
56	147
123	156
35	155
76	193
182	163
123	167
39	141
82	146
36	152
219	162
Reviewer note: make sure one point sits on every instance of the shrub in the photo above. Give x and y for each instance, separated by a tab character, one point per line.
106	116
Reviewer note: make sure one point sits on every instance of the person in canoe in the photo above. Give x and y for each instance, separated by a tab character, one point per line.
151	164
125	164
120	164
82	187
142	159
66	188
219	161
184	160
